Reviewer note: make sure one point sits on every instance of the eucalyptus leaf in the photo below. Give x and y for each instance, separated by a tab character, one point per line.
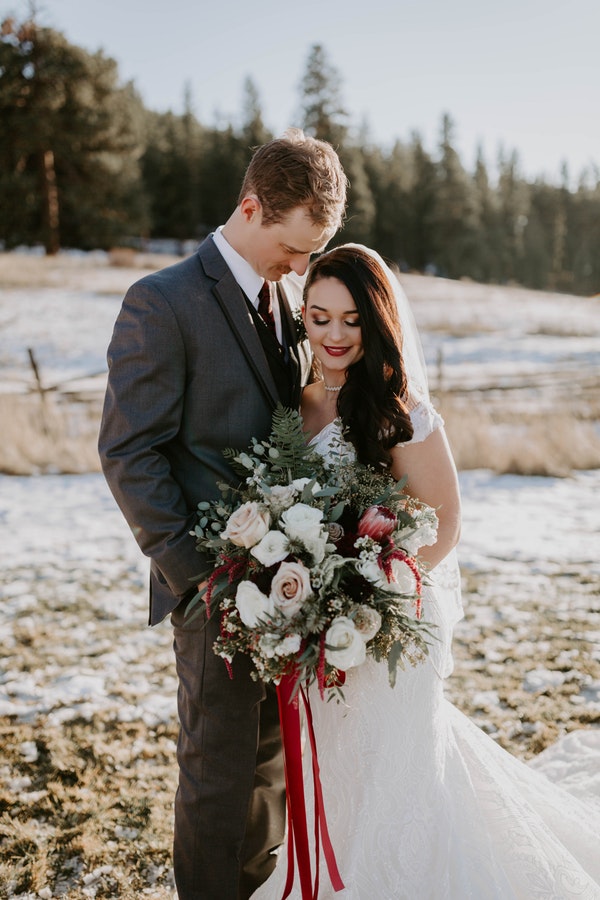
336	512
327	491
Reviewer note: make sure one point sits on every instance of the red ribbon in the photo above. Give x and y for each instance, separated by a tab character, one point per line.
289	717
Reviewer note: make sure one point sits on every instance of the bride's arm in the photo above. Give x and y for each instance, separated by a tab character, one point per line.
432	478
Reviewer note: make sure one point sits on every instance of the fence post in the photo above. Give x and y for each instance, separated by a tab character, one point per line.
40	388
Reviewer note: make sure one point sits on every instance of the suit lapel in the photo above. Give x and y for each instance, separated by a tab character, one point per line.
291	338
232	302
301	357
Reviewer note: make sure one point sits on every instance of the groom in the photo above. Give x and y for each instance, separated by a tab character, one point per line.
194	367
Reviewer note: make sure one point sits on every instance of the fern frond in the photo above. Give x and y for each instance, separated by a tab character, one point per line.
286	446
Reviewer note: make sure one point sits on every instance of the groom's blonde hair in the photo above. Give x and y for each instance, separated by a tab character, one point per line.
297	170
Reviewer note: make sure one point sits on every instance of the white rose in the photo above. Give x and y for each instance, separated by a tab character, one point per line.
282	495
403	580
371	570
303	523
344	645
367	621
300	518
247	525
288	646
267	644
252	604
290	587
271	549
412	544
300	484
316	544
424	536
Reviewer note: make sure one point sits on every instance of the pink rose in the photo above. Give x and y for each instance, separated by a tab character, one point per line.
290	587
377	522
247	525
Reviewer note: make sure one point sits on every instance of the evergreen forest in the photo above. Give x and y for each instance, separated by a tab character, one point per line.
83	164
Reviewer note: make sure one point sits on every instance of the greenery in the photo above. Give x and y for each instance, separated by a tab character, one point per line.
314	561
84	164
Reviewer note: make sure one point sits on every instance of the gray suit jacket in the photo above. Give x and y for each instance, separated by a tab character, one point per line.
188	377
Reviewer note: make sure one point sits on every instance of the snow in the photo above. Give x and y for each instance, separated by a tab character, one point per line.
68	528
540	523
69	563
46	321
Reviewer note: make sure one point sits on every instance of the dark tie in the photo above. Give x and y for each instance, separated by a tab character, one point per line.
265	309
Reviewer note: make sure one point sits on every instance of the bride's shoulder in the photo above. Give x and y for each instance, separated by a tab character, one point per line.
424	417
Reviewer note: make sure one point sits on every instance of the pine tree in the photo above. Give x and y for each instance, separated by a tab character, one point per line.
455	217
486	264
69	142
513	211
254	131
323	116
224	161
322	111
171	169
421	206
389	177
585	233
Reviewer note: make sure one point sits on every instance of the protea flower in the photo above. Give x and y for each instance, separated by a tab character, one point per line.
377	522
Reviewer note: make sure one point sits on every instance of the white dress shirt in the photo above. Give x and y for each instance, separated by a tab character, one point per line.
249	280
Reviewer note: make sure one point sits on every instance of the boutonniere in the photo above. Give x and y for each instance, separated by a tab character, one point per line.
301	334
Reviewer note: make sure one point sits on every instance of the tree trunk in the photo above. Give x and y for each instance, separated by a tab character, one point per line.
50	204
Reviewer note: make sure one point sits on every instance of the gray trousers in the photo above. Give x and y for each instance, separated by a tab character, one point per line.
230	802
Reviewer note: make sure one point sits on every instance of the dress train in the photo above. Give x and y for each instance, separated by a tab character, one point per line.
423	805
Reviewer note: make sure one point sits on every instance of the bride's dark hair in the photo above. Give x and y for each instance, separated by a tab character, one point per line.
373	401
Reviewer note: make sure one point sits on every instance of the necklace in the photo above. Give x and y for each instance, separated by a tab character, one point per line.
333	389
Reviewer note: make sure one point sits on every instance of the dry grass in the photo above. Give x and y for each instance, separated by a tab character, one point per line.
505	439
88	811
86	807
549	623
58	435
86	788
48	435
112	272
548	428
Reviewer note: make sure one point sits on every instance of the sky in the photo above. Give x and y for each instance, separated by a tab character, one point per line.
519	75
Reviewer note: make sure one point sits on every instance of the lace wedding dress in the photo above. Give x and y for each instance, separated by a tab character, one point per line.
420	803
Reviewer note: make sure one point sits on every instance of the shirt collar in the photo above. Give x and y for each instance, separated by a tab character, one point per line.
249	281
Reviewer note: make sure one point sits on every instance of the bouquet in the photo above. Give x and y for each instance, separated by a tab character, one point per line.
315	564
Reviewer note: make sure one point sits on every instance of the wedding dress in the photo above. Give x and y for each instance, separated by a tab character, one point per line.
423	805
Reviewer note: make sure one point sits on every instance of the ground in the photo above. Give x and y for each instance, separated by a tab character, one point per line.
87	691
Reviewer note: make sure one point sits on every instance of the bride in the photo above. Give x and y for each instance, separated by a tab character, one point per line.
420	804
